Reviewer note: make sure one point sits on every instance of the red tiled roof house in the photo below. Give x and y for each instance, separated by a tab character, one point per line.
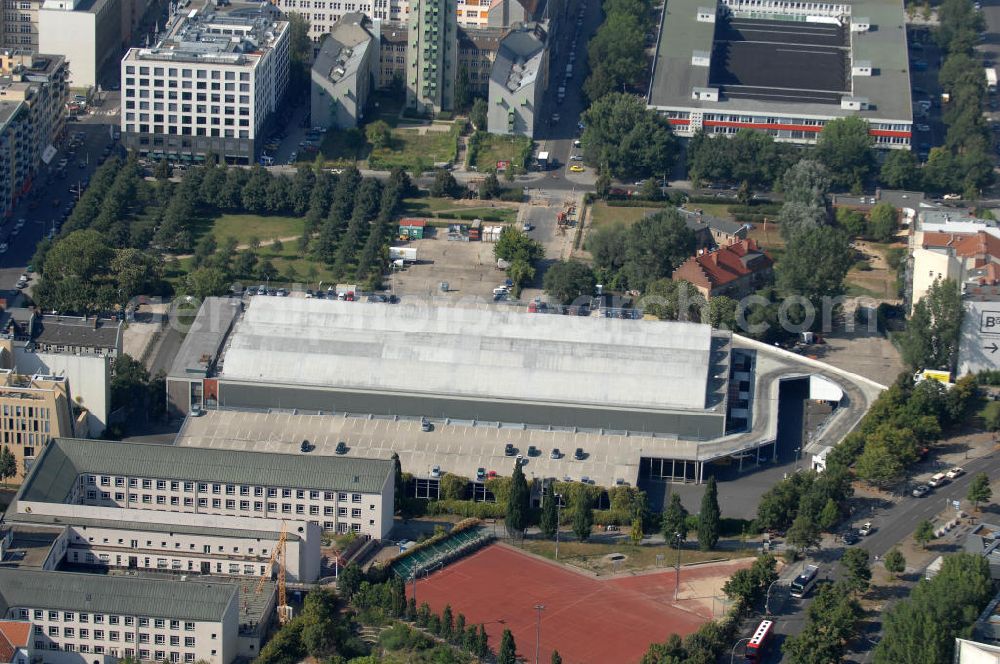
735	270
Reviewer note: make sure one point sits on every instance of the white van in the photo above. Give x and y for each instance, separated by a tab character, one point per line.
937	480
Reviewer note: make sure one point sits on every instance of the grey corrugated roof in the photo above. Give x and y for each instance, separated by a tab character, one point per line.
64	459
13	516
471	353
203	342
124	595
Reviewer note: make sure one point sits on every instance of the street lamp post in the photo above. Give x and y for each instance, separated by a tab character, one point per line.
798	457
538	629
558	497
767	598
677	567
732	655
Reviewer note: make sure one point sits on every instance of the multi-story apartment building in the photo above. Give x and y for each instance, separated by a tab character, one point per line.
78	335
432	56
35	410
237	489
40	81
518	82
209	87
83	618
20	24
32	113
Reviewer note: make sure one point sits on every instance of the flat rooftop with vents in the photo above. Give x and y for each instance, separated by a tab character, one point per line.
785	68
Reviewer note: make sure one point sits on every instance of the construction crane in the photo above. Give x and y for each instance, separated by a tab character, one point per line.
277	556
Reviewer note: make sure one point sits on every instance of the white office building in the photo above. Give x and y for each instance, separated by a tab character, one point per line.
209	87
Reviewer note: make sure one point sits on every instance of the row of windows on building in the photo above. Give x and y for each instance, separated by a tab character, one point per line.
215	121
144	655
213	74
42	615
217	503
216	488
113	635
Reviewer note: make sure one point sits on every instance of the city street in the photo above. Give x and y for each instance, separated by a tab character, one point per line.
50	194
893	524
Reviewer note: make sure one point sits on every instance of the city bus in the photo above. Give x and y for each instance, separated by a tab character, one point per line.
805	581
757	645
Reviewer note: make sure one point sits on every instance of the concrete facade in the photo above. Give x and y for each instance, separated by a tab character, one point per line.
518	82
342	74
432	56
87	32
210	86
35	410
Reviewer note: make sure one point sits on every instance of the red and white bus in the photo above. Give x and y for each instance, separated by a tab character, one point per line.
757	645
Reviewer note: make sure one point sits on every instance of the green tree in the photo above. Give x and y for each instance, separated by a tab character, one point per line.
673	299
602	186
709	517
922	629
583	515
379	134
522	273
489	187
901	170
852	221
858	567
568	280
845	147
636	533
444	185
894	562
399	495
924	533
803	533
882	222
550	514
625	139
806	182
931	337
815	263
654	247
674	521
518	503
650	190
299	53
447	623
515	245
453	486
722	312
463	89
478	115
482	643
206	281
979	490
508	650
8	465
556	658
830	515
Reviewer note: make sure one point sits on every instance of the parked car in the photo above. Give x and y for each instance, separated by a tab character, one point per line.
851	537
533	451
508	449
955	472
436	471
866	529
920	490
425	424
938	479
555	453
341	448
578	454
305	446
480	474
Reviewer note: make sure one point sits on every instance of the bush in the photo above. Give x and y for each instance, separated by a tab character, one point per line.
512	195
466	508
636	202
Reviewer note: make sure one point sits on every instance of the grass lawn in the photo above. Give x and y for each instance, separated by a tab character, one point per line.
411	148
339	148
431	207
495	148
246	226
720	210
602	214
591	555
